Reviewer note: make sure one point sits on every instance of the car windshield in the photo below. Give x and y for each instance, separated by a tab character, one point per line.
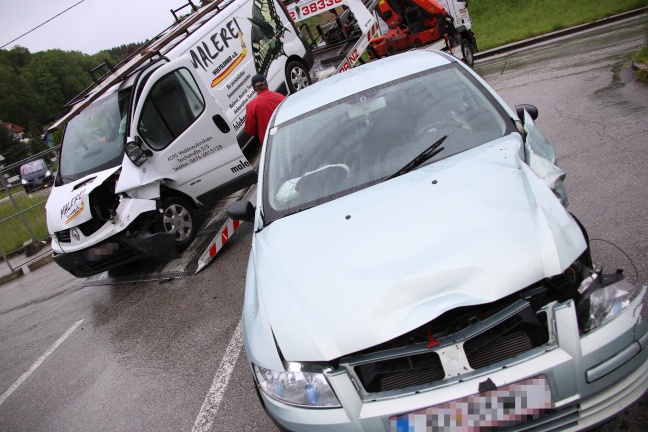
94	140
368	137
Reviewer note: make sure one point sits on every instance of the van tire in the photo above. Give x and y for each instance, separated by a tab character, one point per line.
179	218
297	77
467	52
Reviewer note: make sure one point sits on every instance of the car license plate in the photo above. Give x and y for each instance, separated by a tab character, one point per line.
505	406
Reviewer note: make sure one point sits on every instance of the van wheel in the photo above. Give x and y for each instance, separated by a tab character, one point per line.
179	219
297	76
467	52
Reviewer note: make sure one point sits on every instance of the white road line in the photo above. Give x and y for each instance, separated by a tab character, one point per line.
213	399
29	371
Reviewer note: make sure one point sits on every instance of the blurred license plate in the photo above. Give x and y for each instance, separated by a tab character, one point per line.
505	406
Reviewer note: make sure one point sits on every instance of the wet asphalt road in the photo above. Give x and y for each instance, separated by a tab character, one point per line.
144	356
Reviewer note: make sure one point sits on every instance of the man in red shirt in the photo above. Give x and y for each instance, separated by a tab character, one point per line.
259	110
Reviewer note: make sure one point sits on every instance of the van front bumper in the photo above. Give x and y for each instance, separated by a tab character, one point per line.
117	251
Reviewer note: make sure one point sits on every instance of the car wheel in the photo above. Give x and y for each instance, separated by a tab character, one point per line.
297	76
179	219
467	52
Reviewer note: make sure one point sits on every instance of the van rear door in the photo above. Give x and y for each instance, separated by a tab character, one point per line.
194	148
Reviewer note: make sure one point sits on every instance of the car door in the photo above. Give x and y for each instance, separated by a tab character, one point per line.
192	147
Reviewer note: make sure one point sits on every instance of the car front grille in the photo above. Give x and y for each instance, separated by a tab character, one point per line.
63	236
499	349
510	332
87	228
401	372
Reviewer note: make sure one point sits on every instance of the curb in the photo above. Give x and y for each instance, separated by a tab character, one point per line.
11	276
532	41
639	66
26	268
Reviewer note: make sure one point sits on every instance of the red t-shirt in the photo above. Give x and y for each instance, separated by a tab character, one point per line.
258	112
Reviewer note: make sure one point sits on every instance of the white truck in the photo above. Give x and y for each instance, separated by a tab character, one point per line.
160	135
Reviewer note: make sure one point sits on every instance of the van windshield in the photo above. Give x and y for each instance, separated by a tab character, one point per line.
94	140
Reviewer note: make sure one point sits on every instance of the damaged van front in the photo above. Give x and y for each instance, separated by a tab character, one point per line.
94	228
134	166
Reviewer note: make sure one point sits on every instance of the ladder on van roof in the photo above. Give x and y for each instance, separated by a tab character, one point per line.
136	60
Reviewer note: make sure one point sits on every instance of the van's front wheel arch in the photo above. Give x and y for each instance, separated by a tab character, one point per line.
297	77
178	218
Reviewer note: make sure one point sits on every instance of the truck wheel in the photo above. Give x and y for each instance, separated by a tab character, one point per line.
297	76
178	218
467	52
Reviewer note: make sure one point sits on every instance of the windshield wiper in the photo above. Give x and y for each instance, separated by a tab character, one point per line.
425	155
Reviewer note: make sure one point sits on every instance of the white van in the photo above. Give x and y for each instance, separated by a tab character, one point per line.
164	135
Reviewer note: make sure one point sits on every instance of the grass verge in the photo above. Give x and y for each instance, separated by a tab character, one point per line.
641	59
499	22
16	229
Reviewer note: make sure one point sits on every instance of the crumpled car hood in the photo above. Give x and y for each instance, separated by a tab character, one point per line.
370	266
69	205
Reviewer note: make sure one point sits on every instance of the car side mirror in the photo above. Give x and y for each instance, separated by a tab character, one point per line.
531	109
135	153
241	210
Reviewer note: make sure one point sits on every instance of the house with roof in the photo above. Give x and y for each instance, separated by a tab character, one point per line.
18	132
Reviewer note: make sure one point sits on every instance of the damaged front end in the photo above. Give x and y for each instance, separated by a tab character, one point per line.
579	336
97	229
463	341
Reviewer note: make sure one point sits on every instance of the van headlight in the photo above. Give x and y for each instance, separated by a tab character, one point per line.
300	384
603	298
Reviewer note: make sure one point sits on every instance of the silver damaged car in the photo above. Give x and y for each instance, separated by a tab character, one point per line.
414	266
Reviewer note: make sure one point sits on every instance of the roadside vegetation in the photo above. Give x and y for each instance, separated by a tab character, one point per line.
499	22
641	59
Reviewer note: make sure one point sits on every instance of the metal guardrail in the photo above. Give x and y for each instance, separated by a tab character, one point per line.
23	225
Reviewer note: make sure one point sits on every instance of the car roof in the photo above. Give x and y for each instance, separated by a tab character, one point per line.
358	79
40	162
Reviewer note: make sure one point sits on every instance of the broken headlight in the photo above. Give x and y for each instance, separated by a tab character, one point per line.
298	385
603	298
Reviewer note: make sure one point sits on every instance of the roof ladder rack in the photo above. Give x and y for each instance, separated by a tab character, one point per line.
101	69
179	18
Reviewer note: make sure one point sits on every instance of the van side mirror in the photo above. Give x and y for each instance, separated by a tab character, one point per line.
241	210
135	153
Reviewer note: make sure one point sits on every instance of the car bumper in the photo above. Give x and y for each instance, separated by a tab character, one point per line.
39	183
592	378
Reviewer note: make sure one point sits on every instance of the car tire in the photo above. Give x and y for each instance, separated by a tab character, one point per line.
467	52
297	77
178	218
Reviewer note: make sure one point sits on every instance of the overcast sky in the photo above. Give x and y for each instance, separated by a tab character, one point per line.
89	27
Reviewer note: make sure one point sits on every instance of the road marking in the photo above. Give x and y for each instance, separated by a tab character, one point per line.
29	371
213	399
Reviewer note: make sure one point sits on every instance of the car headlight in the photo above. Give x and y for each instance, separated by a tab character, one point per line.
603	298
48	173
23	181
298	385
